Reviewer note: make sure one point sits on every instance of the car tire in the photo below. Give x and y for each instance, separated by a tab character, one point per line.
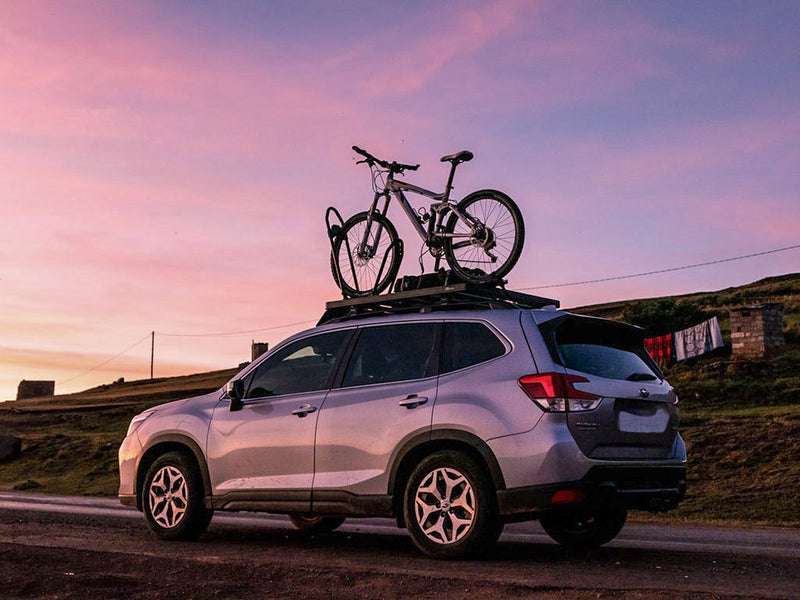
450	507
172	498
584	529
311	523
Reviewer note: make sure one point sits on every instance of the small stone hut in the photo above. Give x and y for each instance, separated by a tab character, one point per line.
756	331
35	389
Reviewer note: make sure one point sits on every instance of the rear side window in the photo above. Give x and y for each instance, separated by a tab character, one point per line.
603	348
392	353
467	344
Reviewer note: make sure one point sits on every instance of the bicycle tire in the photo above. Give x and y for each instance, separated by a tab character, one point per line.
363	275
504	237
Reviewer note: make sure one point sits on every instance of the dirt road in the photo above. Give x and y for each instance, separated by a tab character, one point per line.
93	549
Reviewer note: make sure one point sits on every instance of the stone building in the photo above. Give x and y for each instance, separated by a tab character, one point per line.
257	349
756	331
35	389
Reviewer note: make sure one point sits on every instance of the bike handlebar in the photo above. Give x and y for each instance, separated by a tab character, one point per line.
394	167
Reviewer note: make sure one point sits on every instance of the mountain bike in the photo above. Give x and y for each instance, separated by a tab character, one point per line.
480	237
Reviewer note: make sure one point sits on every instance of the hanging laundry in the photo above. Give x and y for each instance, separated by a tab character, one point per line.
661	348
698	340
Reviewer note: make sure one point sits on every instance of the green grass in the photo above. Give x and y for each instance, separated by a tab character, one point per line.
743	467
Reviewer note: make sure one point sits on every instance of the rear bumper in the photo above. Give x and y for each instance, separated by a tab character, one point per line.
651	488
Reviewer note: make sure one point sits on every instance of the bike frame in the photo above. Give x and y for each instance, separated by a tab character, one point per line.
395	187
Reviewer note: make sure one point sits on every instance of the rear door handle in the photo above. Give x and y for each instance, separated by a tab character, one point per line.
413	401
304	410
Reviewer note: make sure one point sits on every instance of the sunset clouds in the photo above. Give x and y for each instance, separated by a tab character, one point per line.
166	165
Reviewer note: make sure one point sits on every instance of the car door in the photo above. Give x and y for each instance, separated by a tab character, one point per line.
385	397
264	452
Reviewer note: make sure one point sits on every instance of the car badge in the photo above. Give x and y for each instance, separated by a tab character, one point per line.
644	393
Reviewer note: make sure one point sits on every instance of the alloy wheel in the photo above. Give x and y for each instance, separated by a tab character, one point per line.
444	505
168	496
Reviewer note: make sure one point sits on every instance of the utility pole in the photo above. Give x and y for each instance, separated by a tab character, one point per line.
152	352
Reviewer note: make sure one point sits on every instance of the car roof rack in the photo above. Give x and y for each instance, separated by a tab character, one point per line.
458	296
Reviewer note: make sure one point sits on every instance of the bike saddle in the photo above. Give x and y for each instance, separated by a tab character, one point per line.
459	157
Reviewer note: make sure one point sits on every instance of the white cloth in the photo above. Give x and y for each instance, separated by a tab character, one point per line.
698	340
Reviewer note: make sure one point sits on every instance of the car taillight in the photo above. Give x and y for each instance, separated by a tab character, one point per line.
554	392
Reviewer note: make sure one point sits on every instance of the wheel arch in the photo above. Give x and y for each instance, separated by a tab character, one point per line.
421	446
172	443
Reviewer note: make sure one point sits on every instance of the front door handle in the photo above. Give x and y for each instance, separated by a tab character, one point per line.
304	410
413	401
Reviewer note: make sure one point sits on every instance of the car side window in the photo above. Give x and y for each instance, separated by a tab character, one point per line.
467	344
392	353
302	366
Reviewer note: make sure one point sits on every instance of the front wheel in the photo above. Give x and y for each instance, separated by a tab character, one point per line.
173	498
361	269
450	507
583	529
486	246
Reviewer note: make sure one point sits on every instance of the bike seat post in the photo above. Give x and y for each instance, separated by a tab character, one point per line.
449	185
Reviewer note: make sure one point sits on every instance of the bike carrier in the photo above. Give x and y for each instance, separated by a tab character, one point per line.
457	296
333	233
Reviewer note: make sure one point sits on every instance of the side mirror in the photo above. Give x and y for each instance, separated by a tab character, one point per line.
235	392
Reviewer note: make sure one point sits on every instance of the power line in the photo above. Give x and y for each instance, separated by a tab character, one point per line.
129	348
646	273
132	346
236	332
540	287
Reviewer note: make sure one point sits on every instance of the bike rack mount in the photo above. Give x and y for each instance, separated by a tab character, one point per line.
443	297
334	230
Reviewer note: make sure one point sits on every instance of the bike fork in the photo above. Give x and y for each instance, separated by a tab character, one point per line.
365	248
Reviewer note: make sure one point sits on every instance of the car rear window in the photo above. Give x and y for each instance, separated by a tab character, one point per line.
599	347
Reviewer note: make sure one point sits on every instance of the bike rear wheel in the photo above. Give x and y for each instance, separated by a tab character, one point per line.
495	240
364	271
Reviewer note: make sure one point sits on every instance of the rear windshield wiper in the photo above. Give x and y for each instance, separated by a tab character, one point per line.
642	377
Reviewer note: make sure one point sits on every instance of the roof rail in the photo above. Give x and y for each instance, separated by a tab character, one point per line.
458	296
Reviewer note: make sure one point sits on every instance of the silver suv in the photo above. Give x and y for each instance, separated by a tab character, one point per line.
452	414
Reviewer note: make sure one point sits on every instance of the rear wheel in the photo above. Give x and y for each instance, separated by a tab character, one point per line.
173	498
585	528
450	508
311	523
492	243
361	271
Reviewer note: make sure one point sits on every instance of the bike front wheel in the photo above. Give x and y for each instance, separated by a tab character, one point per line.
486	249
360	268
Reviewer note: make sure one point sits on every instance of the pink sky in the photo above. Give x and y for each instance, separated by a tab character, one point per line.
166	166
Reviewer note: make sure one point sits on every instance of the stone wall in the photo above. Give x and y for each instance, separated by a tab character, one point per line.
756	331
35	389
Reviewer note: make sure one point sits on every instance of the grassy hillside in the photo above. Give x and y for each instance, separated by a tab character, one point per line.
70	442
784	289
740	420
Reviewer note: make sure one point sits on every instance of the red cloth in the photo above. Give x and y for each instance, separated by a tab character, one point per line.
661	348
